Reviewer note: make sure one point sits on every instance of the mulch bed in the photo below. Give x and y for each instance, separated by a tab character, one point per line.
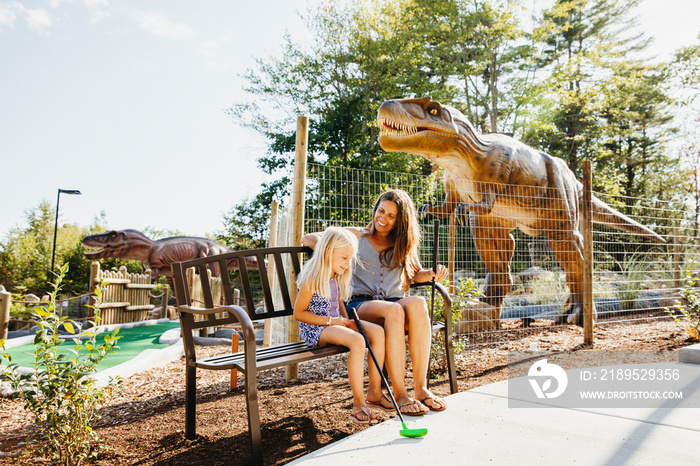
144	424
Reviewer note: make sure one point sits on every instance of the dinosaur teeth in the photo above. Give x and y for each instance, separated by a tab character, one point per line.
392	128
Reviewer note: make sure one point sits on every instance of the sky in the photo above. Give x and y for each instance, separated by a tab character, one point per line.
125	101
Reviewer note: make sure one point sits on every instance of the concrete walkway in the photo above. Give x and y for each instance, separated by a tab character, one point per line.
479	428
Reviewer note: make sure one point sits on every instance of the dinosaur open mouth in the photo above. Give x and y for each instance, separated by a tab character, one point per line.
390	127
92	250
100	251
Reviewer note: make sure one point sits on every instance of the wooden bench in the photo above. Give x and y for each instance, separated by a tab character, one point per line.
252	360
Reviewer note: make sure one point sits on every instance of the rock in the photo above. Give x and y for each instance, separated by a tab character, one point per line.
536	273
210	341
31	298
225	333
170	336
478	317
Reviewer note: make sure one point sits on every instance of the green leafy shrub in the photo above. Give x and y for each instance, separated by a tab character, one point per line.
688	315
61	392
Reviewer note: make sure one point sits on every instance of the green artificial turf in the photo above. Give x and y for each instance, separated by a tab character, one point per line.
132	342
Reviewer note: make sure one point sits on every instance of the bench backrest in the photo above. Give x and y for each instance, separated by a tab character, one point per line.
282	260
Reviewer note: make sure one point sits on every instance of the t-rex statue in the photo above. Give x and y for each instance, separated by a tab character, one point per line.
155	255
503	184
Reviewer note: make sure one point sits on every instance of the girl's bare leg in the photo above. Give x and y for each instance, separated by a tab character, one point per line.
375	334
356	344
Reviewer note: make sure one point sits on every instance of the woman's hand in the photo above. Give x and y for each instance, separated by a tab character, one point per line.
427	275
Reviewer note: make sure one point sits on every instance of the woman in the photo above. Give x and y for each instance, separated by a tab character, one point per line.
387	264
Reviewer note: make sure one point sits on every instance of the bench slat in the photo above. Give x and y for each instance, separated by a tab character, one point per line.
270	357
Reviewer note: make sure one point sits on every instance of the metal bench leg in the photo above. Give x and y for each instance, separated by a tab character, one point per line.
251	398
190	402
450	357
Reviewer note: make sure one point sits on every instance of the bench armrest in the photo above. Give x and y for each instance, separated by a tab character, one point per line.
446	299
237	312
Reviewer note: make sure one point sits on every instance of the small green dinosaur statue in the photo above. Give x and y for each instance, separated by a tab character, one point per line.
503	184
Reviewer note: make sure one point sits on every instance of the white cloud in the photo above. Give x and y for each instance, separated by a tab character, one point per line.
98	9
8	15
37	19
160	26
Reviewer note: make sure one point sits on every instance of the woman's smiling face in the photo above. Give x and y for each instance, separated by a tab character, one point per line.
385	217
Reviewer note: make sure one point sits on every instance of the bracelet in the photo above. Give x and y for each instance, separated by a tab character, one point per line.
329	321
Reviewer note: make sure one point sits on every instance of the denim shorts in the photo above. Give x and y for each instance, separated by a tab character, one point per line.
357	300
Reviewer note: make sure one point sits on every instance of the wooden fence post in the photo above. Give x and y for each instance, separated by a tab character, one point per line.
451	248
587	231
92	284
5	304
297	227
271	242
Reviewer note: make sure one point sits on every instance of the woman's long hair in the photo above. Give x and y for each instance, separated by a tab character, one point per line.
317	271
405	235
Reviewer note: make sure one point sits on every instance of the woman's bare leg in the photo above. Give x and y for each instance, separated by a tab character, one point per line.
392	317
419	337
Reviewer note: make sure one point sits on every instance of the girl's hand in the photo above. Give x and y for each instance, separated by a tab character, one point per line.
340	321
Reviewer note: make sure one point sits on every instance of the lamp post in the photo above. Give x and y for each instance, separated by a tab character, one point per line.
55	228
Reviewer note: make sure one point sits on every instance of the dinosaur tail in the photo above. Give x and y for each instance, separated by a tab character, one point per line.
606	215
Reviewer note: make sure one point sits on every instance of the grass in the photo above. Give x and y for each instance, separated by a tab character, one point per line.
132	342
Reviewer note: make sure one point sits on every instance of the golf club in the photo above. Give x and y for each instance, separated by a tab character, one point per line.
436	237
405	431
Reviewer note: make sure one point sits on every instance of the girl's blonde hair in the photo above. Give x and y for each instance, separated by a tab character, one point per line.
405	235
317	271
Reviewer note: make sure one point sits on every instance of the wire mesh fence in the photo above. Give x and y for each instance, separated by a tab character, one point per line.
526	254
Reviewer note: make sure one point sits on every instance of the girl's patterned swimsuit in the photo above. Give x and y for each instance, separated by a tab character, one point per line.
323	307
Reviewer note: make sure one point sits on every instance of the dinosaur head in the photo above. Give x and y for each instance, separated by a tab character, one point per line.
125	244
419	126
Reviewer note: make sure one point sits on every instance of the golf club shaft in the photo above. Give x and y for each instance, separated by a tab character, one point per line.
436	238
353	314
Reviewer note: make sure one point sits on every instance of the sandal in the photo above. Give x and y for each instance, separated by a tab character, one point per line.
434	406
361	409
423	410
384	403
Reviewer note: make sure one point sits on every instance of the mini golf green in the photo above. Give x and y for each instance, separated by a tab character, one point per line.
133	341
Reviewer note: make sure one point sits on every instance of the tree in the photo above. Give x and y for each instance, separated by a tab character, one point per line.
582	39
635	123
25	253
362	54
684	75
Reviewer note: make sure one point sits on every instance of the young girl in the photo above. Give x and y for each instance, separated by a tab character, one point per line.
324	284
